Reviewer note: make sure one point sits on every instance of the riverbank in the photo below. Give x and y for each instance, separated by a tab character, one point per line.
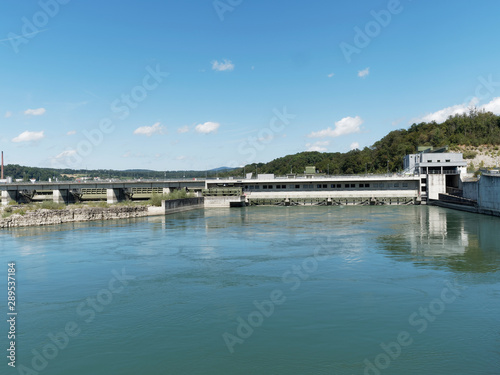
19	216
68	215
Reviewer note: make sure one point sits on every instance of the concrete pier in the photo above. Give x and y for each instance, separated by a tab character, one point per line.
8	195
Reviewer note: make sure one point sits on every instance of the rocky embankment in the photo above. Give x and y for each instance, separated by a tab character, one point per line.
47	217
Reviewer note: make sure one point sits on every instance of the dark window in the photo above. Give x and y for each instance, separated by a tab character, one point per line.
283	186
367	185
278	186
339	186
346	185
396	184
264	187
353	185
333	186
405	184
318	186
361	185
297	186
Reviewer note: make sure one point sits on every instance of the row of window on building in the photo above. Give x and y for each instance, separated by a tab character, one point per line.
380	185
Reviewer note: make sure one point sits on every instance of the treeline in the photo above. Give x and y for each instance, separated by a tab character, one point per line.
471	129
44	174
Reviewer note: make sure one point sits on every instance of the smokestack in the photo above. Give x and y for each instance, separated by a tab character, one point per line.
1	178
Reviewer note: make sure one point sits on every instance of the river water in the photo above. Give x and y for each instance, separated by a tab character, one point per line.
258	290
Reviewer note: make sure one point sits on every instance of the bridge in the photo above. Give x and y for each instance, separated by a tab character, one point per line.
111	191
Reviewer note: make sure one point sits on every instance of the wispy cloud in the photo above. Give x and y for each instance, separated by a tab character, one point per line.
222	65
28	136
157	128
35	112
318	146
345	126
183	129
8	114
207	127
330	75
71	132
364	73
458	109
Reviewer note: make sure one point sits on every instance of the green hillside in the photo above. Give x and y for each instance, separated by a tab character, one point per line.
472	129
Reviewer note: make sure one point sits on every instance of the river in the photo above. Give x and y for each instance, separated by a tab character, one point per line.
258	290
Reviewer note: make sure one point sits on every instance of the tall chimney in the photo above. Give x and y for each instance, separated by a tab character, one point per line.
1	178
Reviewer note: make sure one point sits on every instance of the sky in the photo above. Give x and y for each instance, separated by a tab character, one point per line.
196	85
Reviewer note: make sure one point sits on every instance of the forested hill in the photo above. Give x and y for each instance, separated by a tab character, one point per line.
472	129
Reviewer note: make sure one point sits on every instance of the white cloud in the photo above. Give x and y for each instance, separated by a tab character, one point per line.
157	128
71	132
222	66
207	127
363	73
183	129
35	112
8	114
181	157
354	146
318	146
330	75
65	154
493	106
443	114
28	136
345	126
458	109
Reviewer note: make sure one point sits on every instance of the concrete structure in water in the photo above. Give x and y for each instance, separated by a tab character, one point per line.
485	192
440	172
426	176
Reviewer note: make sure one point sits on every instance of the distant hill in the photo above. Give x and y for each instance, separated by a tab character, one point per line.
44	174
466	131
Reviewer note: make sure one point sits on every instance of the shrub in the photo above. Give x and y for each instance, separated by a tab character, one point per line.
20	211
51	205
470	154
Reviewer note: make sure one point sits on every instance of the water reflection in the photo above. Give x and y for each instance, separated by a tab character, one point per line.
436	236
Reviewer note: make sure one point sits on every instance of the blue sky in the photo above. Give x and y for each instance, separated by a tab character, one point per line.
180	85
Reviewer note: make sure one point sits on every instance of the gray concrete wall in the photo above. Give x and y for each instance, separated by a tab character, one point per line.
470	189
223	201
436	184
489	193
176	205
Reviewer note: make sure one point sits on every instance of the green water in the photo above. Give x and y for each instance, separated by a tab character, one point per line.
191	293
